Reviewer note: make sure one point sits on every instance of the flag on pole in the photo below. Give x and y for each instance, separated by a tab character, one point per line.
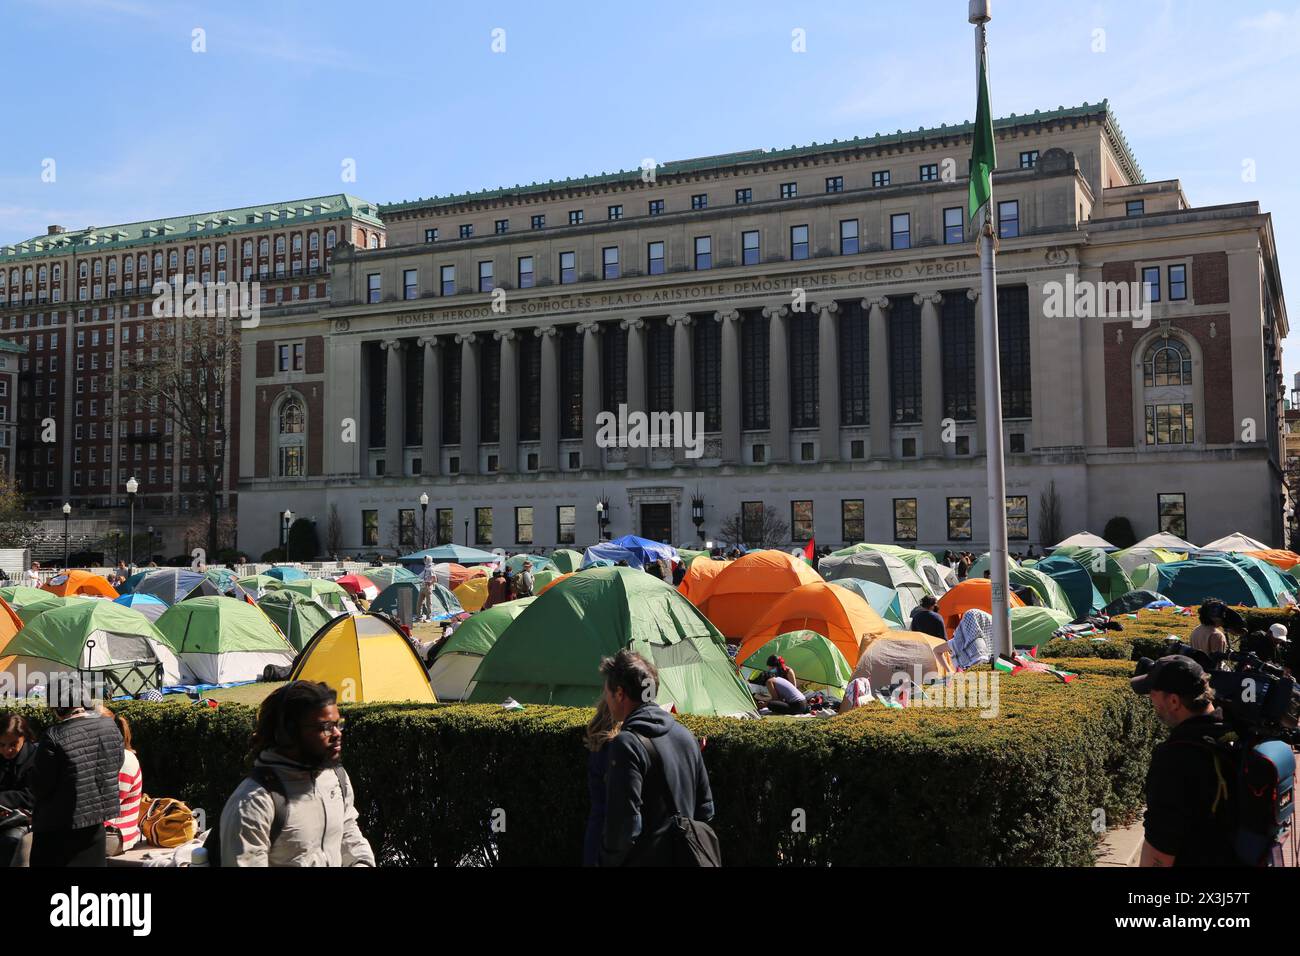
809	550
983	156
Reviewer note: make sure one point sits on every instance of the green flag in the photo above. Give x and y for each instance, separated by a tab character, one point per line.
983	156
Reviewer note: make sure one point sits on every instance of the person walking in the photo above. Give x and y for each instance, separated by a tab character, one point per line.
427	580
600	731
524	582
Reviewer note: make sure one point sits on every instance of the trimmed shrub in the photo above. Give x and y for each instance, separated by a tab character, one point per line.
304	544
274	556
877	786
1119	532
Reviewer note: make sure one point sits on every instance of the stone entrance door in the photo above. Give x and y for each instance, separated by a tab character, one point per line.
657	521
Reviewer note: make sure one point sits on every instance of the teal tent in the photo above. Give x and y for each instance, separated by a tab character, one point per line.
445	604
296	615
1107	573
895	606
382	577
1075	581
1192	581
1047	592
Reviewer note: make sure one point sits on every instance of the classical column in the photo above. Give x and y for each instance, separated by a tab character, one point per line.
509	413
431	406
731	410
636	385
548	460
977	441
395	409
878	352
468	403
828	381
778	399
683	380
592	367
931	375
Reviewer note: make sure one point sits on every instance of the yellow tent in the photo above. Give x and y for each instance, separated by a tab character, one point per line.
365	659
473	593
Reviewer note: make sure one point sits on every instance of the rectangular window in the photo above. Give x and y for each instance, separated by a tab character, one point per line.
700	201
801	520
406	527
431	235
1135	207
284	358
485	276
1018	517
1173	513
466	231
482	525
448	280
930	172
749	249
1029	159
789	190
525	272
575	217
299	355
798	242
1009	219
1171	424
446	524
372	287
744	196
609	262
904	519
1177	283
853	521
954	227
1151	279
524	524
615	212
703	252
959	524
835	184
656	207
848	237
655	258
568	267
539	222
751	522
410	283
370	528
501	226
900	231
880	178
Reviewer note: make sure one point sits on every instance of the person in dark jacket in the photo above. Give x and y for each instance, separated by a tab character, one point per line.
602	729
638	811
74	786
926	620
17	762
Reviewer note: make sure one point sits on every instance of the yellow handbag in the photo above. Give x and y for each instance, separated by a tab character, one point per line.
166	822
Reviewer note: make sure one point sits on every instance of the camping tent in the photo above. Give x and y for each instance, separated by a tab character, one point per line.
551	653
1235	542
1130	558
1194	580
223	578
148	605
566	559
894	606
637	552
1281	559
10	624
1031	626
473	594
297	616
453	669
286	572
889	656
973	592
1165	542
688	555
30	610
451	575
817	663
220	640
1278	588
358	585
516	562
540	587
387	574
1130	602
259	584
173	585
884	569
700	577
329	594
748	586
842	616
933	576
445	603
984	562
455	553
1084	539
1107	574
1075	581
80	583
20	597
545	577
366	658
98	636
1045	588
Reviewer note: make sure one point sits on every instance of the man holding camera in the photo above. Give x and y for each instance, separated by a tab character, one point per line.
1187	821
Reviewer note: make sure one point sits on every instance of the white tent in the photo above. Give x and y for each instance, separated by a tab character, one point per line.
1235	542
1085	539
1170	542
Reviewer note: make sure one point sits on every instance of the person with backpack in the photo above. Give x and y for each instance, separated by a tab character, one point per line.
524	581
296	806
657	795
1189	788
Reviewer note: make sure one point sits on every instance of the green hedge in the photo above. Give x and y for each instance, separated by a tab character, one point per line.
878	786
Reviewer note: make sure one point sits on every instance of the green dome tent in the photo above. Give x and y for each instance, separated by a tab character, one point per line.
1106	572
551	655
816	662
29	602
1277	586
221	640
982	563
1192	581
1075	581
324	592
1032	626
259	584
566	560
545	577
1044	586
297	616
453	669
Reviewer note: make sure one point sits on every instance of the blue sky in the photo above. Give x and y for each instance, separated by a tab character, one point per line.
141	126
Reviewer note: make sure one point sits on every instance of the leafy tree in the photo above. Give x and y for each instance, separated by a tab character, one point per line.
17	529
771	532
1119	532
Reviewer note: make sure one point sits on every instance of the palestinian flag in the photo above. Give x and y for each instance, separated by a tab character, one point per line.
983	157
809	550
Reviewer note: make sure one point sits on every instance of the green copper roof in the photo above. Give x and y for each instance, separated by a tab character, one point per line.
219	223
775	154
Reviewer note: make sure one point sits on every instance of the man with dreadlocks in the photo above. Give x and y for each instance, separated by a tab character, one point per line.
295	808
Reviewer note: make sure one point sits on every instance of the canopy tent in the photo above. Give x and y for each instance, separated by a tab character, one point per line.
817	663
80	583
453	669
1084	539
366	658
97	636
1131	558
1165	542
894	606
1281	559
551	653
1075	581
148	605
841	616
1045	589
173	585
473	594
1131	602
388	574
220	640
566	560
454	553
1032	626
973	592
259	584
286	572
888	657
297	616
697	584
1194	580
445	603
637	552
516	562
358	585
1235	542
747	587
329	594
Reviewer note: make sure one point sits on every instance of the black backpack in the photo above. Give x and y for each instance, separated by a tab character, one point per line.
270	781
687	842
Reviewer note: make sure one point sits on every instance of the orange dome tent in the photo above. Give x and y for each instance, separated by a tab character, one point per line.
1282	560
10	624
71	583
700	577
973	592
841	616
745	589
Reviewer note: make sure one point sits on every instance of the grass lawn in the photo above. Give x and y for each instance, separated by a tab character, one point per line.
251	694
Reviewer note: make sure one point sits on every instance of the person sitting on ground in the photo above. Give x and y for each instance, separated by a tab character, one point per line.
124	829
17	763
299	739
926	620
786	697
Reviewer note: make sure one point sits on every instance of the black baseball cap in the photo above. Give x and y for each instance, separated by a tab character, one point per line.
1175	674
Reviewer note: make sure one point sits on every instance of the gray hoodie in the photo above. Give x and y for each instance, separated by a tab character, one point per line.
320	824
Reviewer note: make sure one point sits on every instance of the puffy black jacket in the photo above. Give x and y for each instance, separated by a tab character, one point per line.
16	778
75	780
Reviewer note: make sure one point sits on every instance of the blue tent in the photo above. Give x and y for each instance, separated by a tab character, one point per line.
128	586
1076	582
1276	586
148	605
451	553
1194	580
286	573
637	552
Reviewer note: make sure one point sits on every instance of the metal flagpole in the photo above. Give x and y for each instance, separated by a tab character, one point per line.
992	397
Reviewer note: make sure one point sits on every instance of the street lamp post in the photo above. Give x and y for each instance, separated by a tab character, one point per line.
424	520
288	524
697	515
132	486
602	515
67	512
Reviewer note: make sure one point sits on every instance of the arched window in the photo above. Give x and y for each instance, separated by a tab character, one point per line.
1167	392
262	247
41	275
374	241
329	239
58	272
313	241
297	243
279	244
292	438
248	249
